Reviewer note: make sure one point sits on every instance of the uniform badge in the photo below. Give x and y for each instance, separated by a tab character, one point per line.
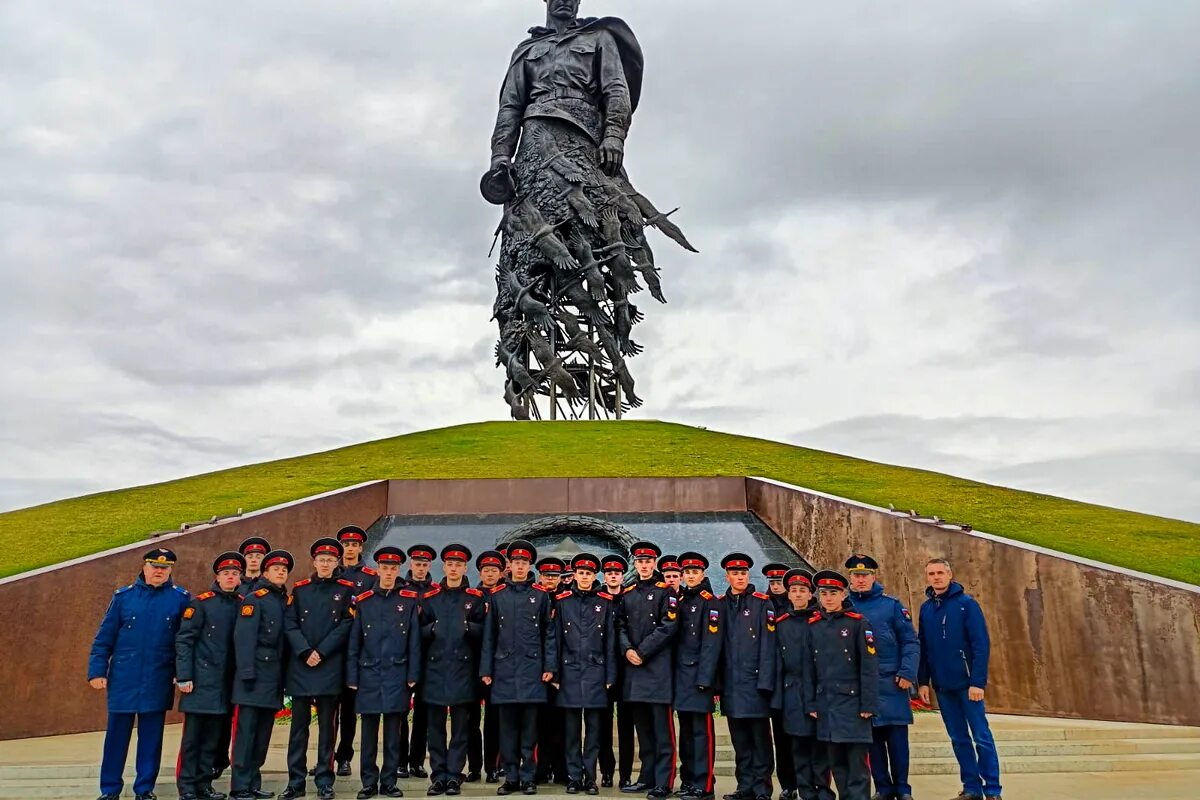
845	632
599	608
770	619
533	598
468	605
693	609
400	608
650	596
870	642
337	597
247	611
188	613
905	613
746	612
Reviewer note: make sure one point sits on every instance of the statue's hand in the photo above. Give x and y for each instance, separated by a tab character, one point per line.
500	160
612	155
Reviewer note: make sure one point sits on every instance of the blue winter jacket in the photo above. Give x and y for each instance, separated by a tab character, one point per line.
899	652
135	647
954	641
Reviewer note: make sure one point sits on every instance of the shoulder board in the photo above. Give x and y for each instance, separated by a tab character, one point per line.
706	594
854	615
782	617
206	595
761	596
408	593
499	587
369	571
660	584
436	590
364	595
301	582
816	616
181	590
345	582
629	589
123	589
262	592
471	590
540	588
563	595
605	595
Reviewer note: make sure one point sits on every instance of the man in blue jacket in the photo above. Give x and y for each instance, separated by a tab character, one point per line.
899	653
954	661
133	658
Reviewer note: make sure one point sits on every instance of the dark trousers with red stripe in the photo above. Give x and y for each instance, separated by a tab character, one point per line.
251	738
347	722
697	751
518	741
446	760
297	754
848	761
224	755
198	748
752	757
656	743
583	727
811	760
368	769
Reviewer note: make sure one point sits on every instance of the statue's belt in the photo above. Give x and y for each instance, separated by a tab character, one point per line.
582	115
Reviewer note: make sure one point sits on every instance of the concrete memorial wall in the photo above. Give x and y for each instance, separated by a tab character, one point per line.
1070	638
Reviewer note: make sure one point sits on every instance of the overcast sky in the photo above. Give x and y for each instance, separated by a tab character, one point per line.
960	236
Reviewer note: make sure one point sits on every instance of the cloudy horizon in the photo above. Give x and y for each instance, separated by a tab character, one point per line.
960	237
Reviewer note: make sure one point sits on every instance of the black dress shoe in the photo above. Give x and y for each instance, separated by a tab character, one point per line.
210	793
472	777
188	796
493	776
401	772
636	788
367	792
146	796
241	796
417	771
606	781
109	797
343	768
591	787
572	787
436	788
453	788
737	796
528	787
658	793
391	791
325	793
508	787
263	794
904	797
291	792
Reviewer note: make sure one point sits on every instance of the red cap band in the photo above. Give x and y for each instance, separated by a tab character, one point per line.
830	582
389	558
614	566
459	554
254	548
490	561
776	573
586	564
351	536
669	565
693	562
737	564
520	553
326	548
276	560
792	581
425	554
227	563
644	553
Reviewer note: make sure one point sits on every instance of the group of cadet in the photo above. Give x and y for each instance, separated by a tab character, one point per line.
814	677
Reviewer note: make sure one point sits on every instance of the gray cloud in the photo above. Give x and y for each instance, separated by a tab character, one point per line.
231	234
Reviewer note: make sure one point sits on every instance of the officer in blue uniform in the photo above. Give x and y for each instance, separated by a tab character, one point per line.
318	629
452	617
420	558
646	629
587	669
844	685
784	767
485	745
518	661
259	645
355	570
204	673
697	667
613	568
748	660
133	658
383	663
551	756
792	686
899	654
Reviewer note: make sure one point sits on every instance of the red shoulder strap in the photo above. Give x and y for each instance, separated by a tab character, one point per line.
301	582
854	615
499	587
605	595
345	582
473	591
363	596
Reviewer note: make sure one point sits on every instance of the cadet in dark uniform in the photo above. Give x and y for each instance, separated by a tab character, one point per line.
353	538
844	685
899	653
646	627
420	556
260	644
697	666
383	663
587	669
792	686
614	567
133	659
452	617
254	550
485	745
748	659
672	574
519	659
551	756
784	768
318	629
204	666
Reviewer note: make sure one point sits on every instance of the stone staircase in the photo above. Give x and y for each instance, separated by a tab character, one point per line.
65	767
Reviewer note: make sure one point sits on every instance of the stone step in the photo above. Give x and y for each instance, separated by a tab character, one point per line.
1136	762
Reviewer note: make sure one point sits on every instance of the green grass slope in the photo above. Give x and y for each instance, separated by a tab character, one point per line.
83	525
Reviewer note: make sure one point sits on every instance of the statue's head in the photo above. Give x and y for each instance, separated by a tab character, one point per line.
562	9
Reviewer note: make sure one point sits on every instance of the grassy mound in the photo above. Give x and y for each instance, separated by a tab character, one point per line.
79	526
